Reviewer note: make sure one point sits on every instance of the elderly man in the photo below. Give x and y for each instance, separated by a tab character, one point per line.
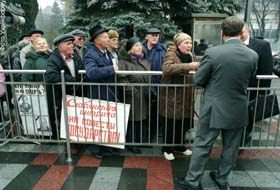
155	51
79	42
224	72
62	58
100	69
33	35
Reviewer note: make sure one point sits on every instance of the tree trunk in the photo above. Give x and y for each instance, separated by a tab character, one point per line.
31	10
277	38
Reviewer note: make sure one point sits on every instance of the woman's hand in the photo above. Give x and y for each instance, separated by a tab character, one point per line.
193	65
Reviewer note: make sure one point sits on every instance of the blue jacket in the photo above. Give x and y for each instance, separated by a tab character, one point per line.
155	58
99	69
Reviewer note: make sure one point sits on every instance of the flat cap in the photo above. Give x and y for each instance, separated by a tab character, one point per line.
96	30
78	32
153	31
36	31
63	38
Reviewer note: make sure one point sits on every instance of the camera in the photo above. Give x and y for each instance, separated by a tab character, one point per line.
14	15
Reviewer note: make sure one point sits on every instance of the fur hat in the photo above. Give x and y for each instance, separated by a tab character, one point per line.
180	37
113	34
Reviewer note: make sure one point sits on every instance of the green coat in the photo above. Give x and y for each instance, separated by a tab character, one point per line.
35	61
225	79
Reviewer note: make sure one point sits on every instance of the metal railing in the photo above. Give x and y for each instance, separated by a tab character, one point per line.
86	121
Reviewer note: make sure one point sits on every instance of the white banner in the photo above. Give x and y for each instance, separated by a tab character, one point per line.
95	121
33	109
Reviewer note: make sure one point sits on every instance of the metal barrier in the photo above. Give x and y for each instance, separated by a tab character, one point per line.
264	116
36	114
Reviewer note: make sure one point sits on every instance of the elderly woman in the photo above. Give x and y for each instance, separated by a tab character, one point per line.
36	59
132	59
176	102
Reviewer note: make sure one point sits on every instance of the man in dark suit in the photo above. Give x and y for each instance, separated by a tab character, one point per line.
100	69
264	67
224	72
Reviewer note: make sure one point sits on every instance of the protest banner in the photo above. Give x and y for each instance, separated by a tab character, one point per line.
33	109
97	121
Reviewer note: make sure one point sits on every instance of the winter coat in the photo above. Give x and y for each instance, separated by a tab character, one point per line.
16	66
176	102
55	65
99	69
276	70
155	58
136	96
35	61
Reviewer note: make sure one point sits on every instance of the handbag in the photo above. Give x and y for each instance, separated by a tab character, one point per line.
267	106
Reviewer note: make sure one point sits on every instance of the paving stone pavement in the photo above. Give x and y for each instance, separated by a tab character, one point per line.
44	167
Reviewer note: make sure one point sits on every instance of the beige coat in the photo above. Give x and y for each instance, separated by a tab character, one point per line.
176	102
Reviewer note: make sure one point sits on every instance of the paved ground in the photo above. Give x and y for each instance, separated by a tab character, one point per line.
43	167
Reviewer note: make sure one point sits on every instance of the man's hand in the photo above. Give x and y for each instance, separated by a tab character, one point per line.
115	66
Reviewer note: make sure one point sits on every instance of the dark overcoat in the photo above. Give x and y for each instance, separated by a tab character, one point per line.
136	96
264	66
99	69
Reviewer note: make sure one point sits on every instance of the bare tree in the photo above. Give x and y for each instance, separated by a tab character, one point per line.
261	9
277	38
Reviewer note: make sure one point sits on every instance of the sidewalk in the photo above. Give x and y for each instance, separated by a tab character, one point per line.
44	167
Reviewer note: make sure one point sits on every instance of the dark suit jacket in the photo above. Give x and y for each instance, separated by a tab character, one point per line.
225	72
265	64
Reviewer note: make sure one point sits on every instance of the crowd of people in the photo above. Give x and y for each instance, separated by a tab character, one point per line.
225	72
101	57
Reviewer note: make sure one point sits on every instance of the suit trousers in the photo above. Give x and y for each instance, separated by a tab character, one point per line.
203	143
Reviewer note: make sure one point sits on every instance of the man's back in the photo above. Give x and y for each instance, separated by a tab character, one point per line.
225	72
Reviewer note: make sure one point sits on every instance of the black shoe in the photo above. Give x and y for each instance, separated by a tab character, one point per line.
134	149
97	155
181	184
212	175
113	151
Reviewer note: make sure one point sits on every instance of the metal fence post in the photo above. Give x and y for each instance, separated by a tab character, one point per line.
68	146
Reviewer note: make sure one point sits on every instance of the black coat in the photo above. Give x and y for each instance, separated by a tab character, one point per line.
55	65
265	64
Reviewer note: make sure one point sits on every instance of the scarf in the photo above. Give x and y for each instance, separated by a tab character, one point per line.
185	58
139	56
